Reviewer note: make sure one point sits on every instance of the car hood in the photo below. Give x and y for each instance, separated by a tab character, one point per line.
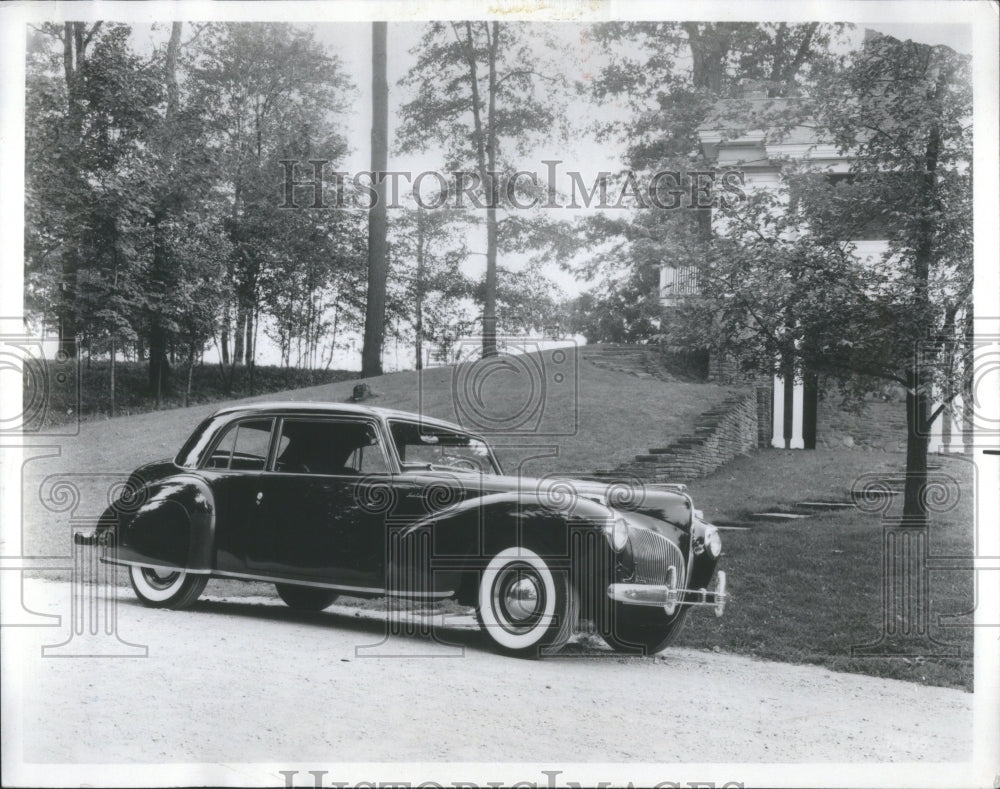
655	501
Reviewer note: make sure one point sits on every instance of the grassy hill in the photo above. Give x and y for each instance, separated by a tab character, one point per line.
547	412
803	592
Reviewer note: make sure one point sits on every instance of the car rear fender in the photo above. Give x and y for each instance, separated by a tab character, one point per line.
170	522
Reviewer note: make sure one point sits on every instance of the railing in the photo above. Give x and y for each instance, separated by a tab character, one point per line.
677	282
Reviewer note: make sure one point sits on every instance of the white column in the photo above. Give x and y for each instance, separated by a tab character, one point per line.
798	397
956	415
778	414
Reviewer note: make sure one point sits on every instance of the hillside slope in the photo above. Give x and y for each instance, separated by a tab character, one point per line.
561	411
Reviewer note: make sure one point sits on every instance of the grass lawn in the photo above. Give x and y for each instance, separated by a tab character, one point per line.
806	591
570	415
802	592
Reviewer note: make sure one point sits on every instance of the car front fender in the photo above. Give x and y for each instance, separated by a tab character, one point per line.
443	551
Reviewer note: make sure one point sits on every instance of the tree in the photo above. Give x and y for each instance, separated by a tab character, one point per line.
906	110
89	108
478	94
673	77
180	169
146	172
527	301
378	266
272	93
432	290
782	279
313	285
621	309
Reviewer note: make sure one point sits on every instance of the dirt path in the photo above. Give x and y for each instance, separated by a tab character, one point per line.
247	680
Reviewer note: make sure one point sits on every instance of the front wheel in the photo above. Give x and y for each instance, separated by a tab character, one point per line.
526	608
640	630
158	588
305	598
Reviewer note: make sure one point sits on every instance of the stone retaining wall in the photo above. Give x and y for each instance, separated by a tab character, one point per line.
880	425
729	430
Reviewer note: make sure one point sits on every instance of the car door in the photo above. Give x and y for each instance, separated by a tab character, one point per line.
235	469
319	515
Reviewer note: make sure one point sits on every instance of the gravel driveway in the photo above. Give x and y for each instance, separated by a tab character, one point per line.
248	680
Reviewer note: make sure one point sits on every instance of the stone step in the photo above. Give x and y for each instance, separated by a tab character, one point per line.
826	505
778	516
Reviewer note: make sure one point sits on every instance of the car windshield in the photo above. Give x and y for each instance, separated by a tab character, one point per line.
422	446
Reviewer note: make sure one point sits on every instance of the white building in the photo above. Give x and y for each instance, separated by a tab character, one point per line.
761	157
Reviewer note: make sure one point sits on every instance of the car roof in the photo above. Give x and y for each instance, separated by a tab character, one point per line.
319	408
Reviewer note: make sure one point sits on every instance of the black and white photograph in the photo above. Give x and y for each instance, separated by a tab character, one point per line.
538	394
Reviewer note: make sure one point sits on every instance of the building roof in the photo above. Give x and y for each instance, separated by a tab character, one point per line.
760	122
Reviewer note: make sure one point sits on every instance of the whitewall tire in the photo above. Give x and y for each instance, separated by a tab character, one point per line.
166	588
526	608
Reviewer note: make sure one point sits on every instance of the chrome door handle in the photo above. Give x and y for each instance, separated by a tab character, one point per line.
260	496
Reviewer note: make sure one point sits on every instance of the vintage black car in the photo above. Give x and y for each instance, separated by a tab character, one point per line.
331	499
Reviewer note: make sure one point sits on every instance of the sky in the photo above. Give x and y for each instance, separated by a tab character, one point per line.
576	56
581	151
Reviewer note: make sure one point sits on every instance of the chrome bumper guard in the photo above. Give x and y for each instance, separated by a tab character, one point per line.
93	538
667	596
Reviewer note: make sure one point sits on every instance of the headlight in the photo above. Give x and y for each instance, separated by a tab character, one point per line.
617	533
713	542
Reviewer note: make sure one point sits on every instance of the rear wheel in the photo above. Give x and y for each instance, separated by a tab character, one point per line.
160	588
640	629
305	598
525	607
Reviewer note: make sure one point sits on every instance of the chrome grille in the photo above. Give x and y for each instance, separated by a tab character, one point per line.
654	554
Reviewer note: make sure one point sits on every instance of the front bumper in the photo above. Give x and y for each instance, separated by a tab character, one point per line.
668	596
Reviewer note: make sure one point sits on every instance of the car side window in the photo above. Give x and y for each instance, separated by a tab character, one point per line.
368	460
329	447
244	446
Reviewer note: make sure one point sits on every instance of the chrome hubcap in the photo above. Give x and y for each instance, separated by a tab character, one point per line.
160	579
518	598
522	598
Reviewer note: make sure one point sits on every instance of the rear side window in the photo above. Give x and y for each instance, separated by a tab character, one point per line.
330	447
243	447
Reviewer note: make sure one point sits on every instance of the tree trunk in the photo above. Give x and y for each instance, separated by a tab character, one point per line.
486	149
112	382
67	330
918	404
158	340
490	297
418	292
224	332
239	336
333	333
187	389
709	44
371	353
248	352
158	365
252	319
917	410
74	48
